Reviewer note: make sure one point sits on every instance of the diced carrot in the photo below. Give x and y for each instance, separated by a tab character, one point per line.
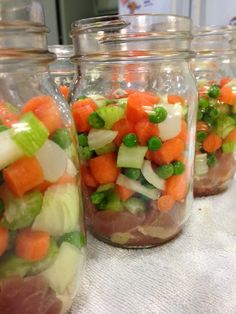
231	136
165	203
224	81
137	107
154	99
123	192
144	130
174	99
123	127
32	245
202	126
87	177
64	90
42	187
212	143
46	110
7	117
176	186
183	134
65	178
23	175
104	168
170	150
3	240
81	110
227	96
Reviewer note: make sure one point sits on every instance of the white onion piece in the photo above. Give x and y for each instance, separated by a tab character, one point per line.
151	176
9	151
53	160
100	138
71	169
171	126
136	186
200	165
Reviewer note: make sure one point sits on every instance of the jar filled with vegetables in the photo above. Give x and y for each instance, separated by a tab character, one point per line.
62	70
215	71
134	108
41	221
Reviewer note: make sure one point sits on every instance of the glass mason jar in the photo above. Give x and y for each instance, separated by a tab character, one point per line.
215	71
62	70
134	108
41	228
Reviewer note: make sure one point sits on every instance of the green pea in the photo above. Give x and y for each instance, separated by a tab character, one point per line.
83	140
213	91
130	140
199	115
95	121
165	171
62	137
213	113
161	114
201	136
211	160
154	143
86	153
3	128
179	167
208	119
82	97
1	206
75	238
132	173
97	197
203	102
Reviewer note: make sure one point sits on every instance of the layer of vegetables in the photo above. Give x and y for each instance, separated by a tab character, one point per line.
132	150
39	202
216	126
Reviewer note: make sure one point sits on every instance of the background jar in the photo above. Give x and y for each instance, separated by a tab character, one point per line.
41	226
134	109
62	70
214	69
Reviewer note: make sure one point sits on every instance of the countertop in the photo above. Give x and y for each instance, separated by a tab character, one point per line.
195	273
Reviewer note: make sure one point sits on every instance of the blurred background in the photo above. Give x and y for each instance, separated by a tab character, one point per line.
61	13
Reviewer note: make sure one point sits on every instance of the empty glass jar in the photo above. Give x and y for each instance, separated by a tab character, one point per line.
41	228
215	71
134	108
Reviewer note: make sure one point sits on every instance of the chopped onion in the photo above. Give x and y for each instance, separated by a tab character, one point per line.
100	138
201	166
151	176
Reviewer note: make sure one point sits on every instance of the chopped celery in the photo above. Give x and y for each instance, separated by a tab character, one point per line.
224	125
111	201
121	237
105	187
10	151
29	134
229	147
111	115
131	157
21	212
122	102
137	187
109	148
60	210
100	138
61	273
100	100
201	166
150	175
135	205
75	238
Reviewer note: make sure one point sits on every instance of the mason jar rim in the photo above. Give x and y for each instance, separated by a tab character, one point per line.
213	30
62	51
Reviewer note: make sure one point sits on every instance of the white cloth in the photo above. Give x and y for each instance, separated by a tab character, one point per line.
195	273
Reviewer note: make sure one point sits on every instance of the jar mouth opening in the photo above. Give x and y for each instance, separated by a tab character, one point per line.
30	56
62	51
175	23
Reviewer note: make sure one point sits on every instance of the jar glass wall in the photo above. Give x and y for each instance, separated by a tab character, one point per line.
134	108
215	71
62	70
41	227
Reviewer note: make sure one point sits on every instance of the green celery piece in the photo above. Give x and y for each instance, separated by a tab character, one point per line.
75	238
229	147
135	205
112	202
21	212
110	115
109	148
29	133
224	125
131	157
105	187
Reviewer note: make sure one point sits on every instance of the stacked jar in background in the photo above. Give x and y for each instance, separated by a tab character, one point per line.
41	229
215	71
134	108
